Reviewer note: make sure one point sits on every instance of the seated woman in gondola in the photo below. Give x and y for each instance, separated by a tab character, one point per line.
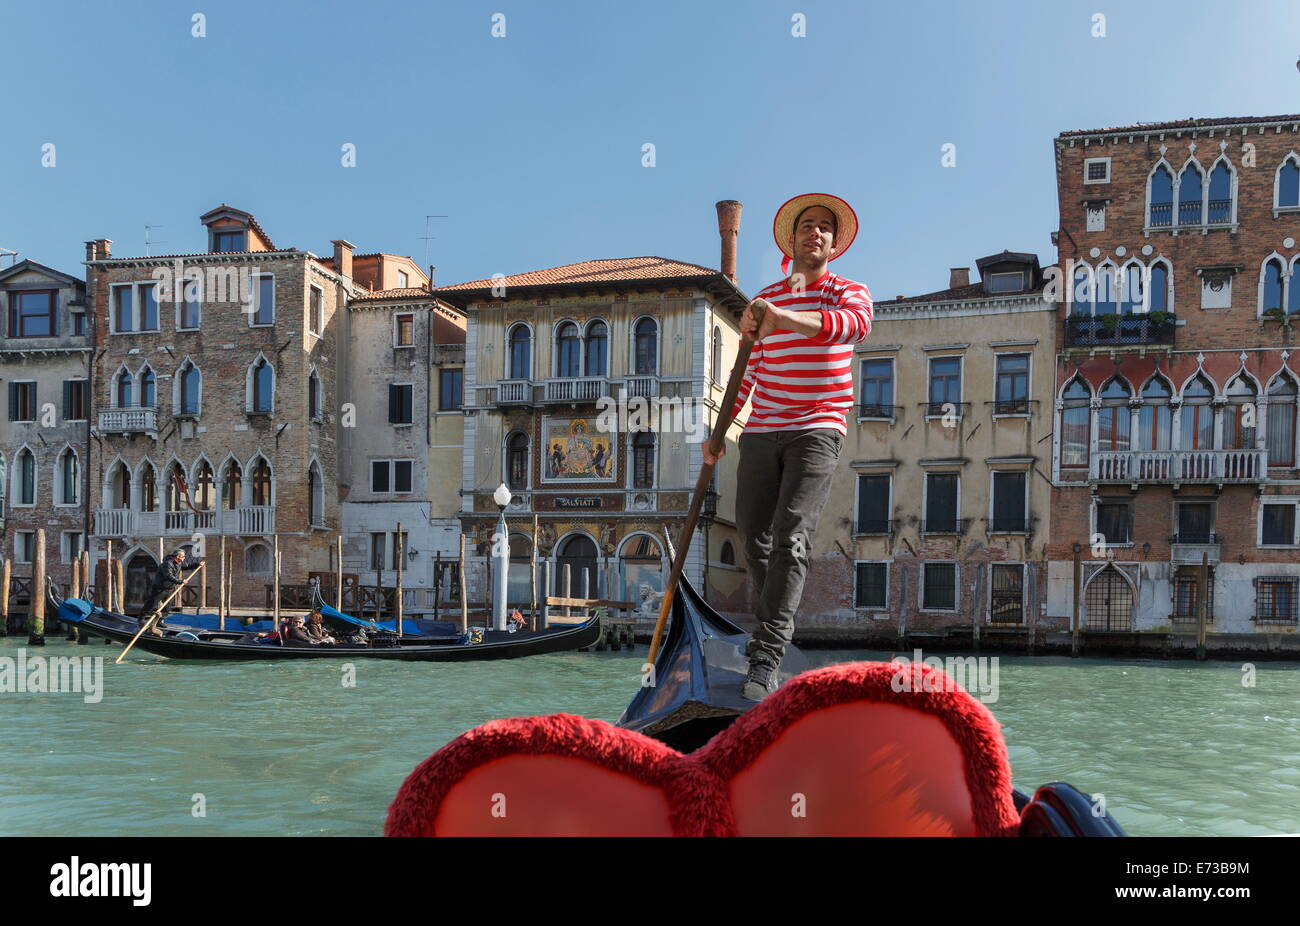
316	629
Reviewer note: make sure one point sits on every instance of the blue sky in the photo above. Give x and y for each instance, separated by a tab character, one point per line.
532	144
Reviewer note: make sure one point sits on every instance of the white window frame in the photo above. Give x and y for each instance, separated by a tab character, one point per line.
893	379
956	587
255	281
136	307
988	599
270	570
396	328
59	500
857	495
506	370
405	424
1278	208
1087	162
961	383
18	555
80	379
391	462
631	346
179	305
12	477
1029	382
925	497
555	348
315	332
248	384
656	449
993	481
314	385
403	280
870	562
1280	500
177	409
36	396
63	545
1007	273
1092	521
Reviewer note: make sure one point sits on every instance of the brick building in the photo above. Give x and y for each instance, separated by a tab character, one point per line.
1176	386
45	361
230	379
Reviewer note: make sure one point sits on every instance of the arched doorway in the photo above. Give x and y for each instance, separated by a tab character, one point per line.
578	552
1109	600
519	580
140	570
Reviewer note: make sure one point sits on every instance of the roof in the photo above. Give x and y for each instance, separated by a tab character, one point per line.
240	214
1189	123
26	265
407	292
972	291
618	269
1019	257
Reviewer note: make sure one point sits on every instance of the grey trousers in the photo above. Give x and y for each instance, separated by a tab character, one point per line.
782	482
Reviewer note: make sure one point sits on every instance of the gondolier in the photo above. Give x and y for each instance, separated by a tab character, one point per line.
165	581
800	378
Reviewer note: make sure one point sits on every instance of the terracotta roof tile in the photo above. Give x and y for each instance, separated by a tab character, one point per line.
408	292
1190	123
619	269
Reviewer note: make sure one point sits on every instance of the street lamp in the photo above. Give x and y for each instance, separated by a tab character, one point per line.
501	558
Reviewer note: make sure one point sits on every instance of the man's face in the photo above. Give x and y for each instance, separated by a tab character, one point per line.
814	234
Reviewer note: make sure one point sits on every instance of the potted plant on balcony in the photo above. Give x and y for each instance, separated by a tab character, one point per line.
1109	323
1276	313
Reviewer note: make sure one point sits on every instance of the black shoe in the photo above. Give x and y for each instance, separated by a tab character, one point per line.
760	682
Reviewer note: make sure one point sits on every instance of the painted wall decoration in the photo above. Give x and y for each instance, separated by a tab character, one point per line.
575	450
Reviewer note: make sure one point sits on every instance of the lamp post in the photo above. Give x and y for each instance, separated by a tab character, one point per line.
708	513
501	559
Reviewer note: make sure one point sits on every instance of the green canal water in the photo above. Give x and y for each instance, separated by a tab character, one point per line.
288	749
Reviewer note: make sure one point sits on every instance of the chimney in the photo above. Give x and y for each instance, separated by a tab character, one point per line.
343	257
729	229
432	271
99	249
958	276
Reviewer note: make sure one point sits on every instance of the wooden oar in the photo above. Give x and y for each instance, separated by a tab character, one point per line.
716	441
157	616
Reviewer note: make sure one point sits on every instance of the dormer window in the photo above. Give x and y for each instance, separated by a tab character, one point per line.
1006	282
227	242
403	281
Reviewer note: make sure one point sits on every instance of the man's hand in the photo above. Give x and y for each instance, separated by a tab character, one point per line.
750	327
708	455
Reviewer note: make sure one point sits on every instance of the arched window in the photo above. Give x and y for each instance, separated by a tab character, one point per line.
315	497
26	477
69	478
1074	423
1158	290
517	461
261	482
233	488
262	387
1288	183
1271	285
175	502
596	349
1113	417
1239	415
1281	421
728	554
568	350
1161	198
204	490
257	559
1130	293
124	381
1190	197
1107	284
1155	424
578	553
643	460
1082	290
119	486
1220	199
1197	430
519	575
190	388
1291	286
148	392
645	340
521	348
717	354
148	487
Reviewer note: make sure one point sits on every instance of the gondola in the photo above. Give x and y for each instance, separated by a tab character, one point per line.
180	641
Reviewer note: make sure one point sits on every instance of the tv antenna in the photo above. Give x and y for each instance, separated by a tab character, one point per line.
148	242
426	237
12	255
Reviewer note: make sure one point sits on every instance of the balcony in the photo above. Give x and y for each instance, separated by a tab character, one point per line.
644	387
1002	524
1092	331
944	409
514	392
1178	466
873	526
125	522
945	526
1188	548
877	411
129	420
576	389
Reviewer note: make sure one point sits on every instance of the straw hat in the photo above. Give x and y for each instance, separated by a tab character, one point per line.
846	221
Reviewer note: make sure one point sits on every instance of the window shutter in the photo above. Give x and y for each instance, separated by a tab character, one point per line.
13	401
67	399
392	404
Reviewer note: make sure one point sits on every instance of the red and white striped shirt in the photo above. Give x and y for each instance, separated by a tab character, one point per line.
800	382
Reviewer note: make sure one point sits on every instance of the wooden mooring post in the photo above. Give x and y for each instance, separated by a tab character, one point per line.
36	623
